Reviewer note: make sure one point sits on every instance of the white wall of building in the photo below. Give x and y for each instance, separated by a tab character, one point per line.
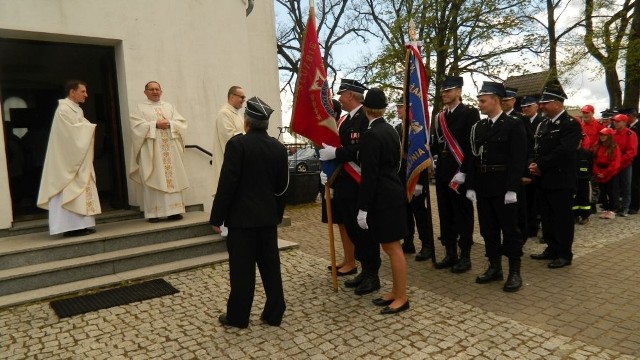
196	49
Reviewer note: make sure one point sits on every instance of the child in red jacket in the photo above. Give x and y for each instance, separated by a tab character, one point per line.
606	164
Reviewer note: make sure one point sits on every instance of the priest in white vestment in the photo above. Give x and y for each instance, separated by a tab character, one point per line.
158	150
68	184
228	123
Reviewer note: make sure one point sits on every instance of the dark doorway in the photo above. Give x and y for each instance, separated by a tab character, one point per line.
32	78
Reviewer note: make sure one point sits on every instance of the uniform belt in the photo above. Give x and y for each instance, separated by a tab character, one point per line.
491	168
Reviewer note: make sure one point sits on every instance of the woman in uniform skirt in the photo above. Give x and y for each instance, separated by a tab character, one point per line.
381	201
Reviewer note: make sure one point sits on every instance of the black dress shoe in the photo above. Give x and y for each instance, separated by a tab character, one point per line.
79	232
154	220
387	310
558	263
174	217
381	302
632	212
424	254
265	321
370	284
351	283
545	255
350	272
447	262
225	321
463	265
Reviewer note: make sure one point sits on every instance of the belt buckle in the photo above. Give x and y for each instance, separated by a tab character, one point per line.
483	168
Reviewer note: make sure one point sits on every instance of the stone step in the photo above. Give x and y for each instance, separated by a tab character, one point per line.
115	279
37	248
35	276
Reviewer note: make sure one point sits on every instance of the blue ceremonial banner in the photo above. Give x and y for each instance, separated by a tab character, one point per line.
416	86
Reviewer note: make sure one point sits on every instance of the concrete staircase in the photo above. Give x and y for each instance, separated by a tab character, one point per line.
36	266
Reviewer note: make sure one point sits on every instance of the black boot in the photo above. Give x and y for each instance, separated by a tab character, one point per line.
464	264
514	282
493	273
449	259
425	253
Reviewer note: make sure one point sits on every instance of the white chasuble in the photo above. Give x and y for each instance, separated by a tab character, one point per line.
68	170
157	163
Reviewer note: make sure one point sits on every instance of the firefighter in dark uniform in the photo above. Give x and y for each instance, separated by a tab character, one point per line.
508	104
346	187
499	149
255	170
382	200
529	107
554	166
417	215
453	127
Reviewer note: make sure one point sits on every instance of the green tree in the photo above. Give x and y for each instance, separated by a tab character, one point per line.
606	28
476	37
337	24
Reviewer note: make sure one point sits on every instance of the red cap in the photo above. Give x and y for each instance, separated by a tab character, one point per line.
587	108
607	131
621	117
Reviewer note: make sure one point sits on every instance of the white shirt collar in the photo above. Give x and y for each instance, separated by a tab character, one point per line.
354	111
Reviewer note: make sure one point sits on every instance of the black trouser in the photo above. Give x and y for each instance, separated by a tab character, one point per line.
523	219
456	217
367	251
248	247
635	188
582	200
495	219
609	195
417	216
533	211
557	221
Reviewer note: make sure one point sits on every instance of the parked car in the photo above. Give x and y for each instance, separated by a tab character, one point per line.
304	160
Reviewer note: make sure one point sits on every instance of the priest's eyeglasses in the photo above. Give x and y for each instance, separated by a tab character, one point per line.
240	96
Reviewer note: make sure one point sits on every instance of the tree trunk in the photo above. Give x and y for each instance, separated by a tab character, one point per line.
632	81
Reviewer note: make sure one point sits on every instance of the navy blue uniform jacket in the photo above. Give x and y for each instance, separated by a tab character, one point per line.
254	172
380	188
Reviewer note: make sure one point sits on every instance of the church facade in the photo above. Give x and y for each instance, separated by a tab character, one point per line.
196	49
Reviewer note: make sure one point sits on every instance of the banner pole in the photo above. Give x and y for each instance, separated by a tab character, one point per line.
332	247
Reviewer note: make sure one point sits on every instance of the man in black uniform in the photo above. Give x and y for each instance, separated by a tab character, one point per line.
346	187
508	106
417	215
249	202
529	106
554	166
499	149
453	127
634	205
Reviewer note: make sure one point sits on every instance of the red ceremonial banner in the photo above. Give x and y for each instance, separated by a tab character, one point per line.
313	116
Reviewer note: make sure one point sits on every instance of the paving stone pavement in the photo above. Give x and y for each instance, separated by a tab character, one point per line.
589	310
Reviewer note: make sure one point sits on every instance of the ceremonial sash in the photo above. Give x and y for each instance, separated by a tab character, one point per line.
452	144
353	170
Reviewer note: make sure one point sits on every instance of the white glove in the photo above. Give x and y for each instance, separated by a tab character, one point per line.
331	193
459	178
510	197
471	195
327	152
323	178
362	219
418	190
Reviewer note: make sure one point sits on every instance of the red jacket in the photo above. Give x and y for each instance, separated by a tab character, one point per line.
591	131
603	168
627	141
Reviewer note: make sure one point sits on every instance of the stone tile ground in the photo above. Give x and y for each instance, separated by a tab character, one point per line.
590	310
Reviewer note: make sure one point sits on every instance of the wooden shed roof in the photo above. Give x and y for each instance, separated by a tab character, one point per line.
528	84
